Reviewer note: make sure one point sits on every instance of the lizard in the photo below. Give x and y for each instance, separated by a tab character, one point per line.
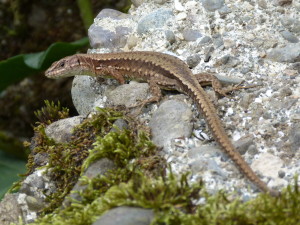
161	71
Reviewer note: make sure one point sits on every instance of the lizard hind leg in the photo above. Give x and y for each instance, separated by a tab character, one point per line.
156	96
205	79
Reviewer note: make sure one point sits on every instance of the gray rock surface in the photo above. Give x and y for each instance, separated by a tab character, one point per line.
125	215
61	131
154	20
10	210
84	92
290	53
97	168
171	120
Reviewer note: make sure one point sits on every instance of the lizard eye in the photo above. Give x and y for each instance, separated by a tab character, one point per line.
62	64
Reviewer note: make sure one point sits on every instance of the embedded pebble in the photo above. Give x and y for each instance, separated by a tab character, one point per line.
61	130
85	90
126	215
243	144
97	168
290	53
171	120
212	5
155	20
289	36
106	37
191	35
128	94
10	210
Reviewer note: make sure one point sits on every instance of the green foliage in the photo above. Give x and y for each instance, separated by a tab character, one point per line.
86	13
51	112
9	168
18	67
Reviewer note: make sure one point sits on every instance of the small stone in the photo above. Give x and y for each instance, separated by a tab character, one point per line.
286	91
103	38
170	36
97	168
35	204
191	35
193	60
290	53
178	6
281	173
224	10
205	40
243	144
85	90
111	13
268	165
61	130
137	3
203	165
282	2
291	24
262	4
228	60
212	5
289	36
10	210
128	94
121	124
295	66
218	40
171	120
154	20
132	41
125	215
294	137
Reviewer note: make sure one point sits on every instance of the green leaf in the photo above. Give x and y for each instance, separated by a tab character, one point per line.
9	168
18	67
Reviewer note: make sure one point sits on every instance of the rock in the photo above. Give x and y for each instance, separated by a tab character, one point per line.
85	90
243	144
268	165
171	120
290	53
121	124
61	131
128	94
170	36
193	60
294	137
10	211
212	5
206	165
290	23
97	168
125	215
191	35
289	36
104	36
154	20
111	13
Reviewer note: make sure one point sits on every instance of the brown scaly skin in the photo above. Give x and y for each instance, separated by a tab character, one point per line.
160	71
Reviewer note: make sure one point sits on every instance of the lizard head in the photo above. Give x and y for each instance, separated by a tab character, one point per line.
67	67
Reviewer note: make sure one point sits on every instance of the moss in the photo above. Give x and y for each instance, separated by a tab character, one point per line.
51	112
140	181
